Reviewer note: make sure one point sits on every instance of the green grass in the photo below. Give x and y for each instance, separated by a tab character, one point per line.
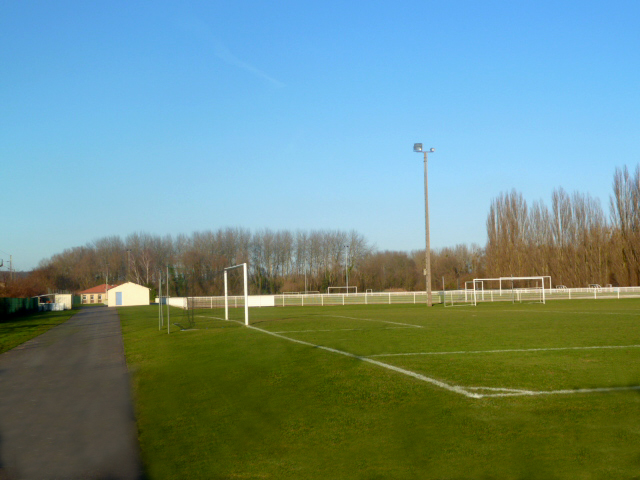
225	401
18	330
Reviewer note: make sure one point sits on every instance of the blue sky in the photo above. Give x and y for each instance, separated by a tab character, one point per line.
173	117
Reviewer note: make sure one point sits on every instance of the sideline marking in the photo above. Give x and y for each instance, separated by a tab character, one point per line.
503	351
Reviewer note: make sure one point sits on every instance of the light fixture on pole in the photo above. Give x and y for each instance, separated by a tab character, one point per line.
417	147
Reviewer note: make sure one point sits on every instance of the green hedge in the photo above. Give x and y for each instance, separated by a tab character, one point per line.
17	306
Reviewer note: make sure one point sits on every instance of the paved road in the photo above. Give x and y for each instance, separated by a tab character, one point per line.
65	404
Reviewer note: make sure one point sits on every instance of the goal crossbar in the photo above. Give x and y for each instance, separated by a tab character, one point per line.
542	278
352	287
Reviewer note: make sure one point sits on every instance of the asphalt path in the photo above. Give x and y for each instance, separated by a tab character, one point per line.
65	404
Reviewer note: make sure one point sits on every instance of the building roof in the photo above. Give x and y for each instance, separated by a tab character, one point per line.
97	289
129	284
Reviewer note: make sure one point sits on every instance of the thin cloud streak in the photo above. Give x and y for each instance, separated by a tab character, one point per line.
226	56
198	28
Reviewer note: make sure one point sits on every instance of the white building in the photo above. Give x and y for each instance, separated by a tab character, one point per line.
127	295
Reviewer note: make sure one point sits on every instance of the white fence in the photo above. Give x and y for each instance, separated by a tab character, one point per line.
218	302
391	298
321	299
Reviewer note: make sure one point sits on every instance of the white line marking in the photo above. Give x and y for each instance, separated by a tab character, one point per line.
503	351
340	330
446	386
493	389
375	320
519	393
574	313
215	318
510	392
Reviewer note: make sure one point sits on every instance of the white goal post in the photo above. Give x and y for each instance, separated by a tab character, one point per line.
506	285
349	289
460	298
246	292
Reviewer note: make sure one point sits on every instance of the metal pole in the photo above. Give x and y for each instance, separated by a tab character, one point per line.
428	249
168	312
346	265
226	298
246	294
160	322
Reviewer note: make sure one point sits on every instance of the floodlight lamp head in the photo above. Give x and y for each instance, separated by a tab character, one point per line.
431	150
417	147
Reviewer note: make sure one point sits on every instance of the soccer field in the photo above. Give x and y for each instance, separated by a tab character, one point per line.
493	391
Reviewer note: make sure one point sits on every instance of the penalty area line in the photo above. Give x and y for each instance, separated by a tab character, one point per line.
341	330
375	320
508	392
433	381
524	350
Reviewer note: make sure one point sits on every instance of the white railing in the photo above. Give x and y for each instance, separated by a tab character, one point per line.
327	299
518	295
391	298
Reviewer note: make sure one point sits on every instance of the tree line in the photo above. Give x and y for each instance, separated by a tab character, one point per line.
572	240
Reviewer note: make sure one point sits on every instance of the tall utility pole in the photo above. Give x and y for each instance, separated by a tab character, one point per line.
417	147
128	262
346	265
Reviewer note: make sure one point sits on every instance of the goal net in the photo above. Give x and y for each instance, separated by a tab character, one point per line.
216	299
461	298
236	294
514	289
349	289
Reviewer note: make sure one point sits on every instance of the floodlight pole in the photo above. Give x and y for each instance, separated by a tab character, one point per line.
346	265
417	147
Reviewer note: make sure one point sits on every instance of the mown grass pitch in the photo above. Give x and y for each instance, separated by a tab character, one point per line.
315	397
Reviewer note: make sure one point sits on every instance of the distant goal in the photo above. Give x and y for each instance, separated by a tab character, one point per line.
460	298
515	289
349	289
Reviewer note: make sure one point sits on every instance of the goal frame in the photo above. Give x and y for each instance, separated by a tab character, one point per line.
246	292
342	288
542	278
468	297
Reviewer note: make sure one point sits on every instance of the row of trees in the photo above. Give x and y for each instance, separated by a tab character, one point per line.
573	241
279	261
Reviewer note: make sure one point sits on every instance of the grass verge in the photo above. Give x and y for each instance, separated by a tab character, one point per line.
18	330
231	402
